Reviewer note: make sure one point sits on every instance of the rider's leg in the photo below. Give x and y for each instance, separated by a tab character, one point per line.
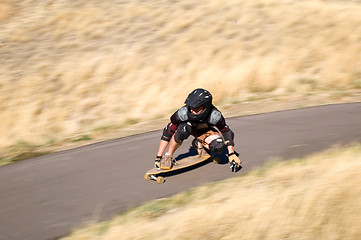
173	146
210	140
199	147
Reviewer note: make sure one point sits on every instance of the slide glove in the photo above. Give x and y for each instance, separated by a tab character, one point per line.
235	162
166	162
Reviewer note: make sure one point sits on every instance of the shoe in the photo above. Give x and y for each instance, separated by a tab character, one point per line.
200	150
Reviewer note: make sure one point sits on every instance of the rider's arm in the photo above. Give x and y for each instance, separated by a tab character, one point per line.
171	127
162	146
228	134
230	149
168	132
229	140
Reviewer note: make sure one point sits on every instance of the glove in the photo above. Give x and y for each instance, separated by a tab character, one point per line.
157	161
234	161
166	162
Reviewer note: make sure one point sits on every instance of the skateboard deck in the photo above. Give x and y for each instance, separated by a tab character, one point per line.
155	173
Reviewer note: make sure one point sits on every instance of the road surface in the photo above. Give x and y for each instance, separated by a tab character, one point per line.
49	196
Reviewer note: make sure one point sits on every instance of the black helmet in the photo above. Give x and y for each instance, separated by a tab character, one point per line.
199	97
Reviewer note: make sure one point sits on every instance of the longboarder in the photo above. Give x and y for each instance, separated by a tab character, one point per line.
201	119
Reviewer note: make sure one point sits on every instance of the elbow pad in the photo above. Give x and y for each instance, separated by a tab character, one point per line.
168	132
166	136
229	137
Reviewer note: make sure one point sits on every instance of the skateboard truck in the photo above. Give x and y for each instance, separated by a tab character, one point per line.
158	179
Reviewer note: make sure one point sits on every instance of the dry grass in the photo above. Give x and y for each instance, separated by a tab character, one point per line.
71	66
314	198
6	9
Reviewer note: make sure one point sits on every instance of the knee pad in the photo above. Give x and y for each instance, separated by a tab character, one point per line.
183	132
217	146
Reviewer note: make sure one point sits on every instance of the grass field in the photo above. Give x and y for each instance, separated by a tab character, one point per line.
70	68
74	71
314	198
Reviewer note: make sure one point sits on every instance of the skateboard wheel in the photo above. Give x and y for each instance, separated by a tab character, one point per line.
147	177
160	180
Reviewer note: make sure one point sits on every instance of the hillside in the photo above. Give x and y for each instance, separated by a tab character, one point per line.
74	67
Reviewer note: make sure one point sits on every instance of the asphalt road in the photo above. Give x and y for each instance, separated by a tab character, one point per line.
48	196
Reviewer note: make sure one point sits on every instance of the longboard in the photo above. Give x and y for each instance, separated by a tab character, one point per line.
155	173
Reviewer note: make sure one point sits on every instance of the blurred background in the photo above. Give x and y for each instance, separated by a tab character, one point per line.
82	69
75	72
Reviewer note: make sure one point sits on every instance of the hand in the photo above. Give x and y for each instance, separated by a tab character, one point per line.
234	161
166	162
157	161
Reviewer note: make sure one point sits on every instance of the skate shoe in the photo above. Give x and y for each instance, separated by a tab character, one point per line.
200	149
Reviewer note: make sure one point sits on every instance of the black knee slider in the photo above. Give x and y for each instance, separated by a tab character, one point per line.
217	146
